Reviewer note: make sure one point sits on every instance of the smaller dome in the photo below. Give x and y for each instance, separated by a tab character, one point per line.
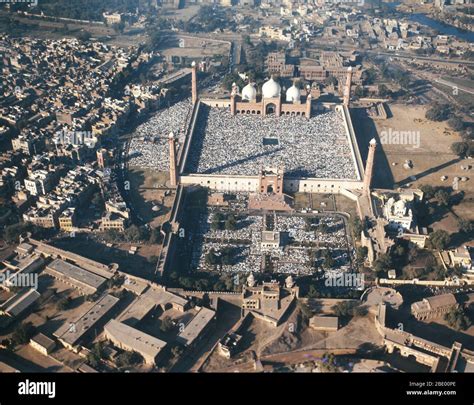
271	89
251	280
249	93
293	95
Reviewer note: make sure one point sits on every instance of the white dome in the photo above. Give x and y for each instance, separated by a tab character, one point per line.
271	89
293	94
249	93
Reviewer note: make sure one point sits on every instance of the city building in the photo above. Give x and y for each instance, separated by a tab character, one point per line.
433	307
128	338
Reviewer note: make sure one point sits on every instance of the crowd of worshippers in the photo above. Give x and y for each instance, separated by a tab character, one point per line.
149	145
243	144
244	241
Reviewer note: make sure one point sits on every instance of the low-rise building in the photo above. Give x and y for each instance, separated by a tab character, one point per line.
43	344
433	307
128	338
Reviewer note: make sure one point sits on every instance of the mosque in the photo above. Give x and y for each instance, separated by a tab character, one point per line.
312	144
270	102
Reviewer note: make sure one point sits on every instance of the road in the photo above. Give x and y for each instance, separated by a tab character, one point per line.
404	55
455	86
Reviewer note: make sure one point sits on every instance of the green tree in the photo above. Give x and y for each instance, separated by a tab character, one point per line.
64	303
438	112
384	91
230	223
456	123
12	232
359	91
97	353
460	148
428	191
23	333
166	325
440	239
457	319
344	309
128	359
443	197
361	253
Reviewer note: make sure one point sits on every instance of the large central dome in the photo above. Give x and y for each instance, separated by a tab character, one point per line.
271	89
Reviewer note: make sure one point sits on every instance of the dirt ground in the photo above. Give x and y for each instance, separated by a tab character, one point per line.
146	193
431	160
315	201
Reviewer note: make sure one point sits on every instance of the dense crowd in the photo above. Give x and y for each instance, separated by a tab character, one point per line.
243	144
149	145
246	239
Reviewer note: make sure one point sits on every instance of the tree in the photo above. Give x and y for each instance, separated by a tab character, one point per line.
96	354
456	123
440	239
166	325
465	226
443	197
457	319
383	263
369	75
128	359
230	224
84	35
428	191
23	333
357	227
64	303
328	363
359	91
155	236
438	112
344	309
361	253
328	260
460	148
306	312
384	91
12	232
135	234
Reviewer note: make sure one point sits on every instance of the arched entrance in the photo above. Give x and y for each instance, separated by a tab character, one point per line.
270	109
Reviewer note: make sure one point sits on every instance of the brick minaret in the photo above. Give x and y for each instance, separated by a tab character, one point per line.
308	105
173	171
194	91
347	87
233	94
369	166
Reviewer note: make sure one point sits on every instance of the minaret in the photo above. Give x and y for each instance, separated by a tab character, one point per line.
235	92
173	171
194	91
308	105
347	88
369	166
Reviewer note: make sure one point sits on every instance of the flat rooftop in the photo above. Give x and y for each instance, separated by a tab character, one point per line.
75	274
223	144
195	327
73	332
127	336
